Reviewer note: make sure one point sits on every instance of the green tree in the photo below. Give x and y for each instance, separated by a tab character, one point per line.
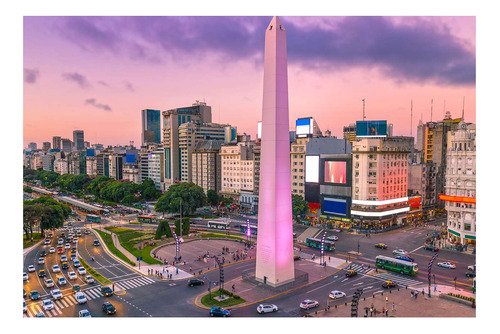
225	201
185	194
212	197
299	205
149	191
129	199
27	190
45	211
163	229
94	187
185	226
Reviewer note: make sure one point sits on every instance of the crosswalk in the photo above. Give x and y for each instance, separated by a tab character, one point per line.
358	268
399	279
90	293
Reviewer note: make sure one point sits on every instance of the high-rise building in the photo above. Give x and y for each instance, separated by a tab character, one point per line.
274	256
46	146
156	168
32	146
48	162
78	140
206	165
103	164
350	132
56	143
151	126
236	169
460	188
66	145
116	162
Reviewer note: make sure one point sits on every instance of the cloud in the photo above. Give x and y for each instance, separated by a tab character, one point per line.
129	86
421	50
93	102
31	75
102	83
77	78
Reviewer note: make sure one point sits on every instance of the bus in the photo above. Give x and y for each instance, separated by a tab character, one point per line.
93	218
220	225
316	243
146	219
400	266
253	229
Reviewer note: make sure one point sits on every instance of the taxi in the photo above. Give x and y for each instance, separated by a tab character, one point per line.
389	284
351	273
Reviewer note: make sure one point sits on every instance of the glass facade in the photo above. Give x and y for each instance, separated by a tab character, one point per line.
151	126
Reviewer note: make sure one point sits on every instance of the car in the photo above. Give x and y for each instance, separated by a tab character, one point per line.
78	234
448	265
61	281
389	284
24	293
67	246
56	269
72	256
49	283
470	274
296	257
34	295
51	235
89	279
81	271
219	312
351	273
335	294
46	242
72	275
41	273
431	248
332	238
60	242
195	281
47	305
64	258
472	268
84	314
41	260
267	308
75	240
31	268
52	250
308	303
76	262
106	291
56	294
65	265
43	253
80	297
87	232
25	276
40	315
399	252
108	308
25	308
60	250
381	245
76	288
405	258
96	242
65	225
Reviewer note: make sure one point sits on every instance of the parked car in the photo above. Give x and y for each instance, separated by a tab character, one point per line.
448	265
267	308
195	281
308	303
219	312
381	245
335	294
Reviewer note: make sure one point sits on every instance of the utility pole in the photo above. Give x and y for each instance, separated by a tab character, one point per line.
411	118
463	108
364	115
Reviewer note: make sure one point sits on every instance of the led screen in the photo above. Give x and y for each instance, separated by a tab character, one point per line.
335	206
371	129
303	126
259	130
335	172
130	158
312	168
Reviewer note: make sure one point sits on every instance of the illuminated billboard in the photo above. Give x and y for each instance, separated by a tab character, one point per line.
304	126
259	130
371	129
335	172
230	135
335	206
312	168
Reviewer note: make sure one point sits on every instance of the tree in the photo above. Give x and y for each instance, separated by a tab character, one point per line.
129	199
185	226
299	205
185	194
163	229
149	191
28	190
225	201
212	197
45	211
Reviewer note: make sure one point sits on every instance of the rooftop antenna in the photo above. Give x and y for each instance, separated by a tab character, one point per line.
411	118
364	115
444	109
431	108
463	108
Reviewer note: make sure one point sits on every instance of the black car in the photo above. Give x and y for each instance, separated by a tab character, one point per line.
96	242
195	281
108	308
106	290
470	274
65	265
431	248
43	253
296	257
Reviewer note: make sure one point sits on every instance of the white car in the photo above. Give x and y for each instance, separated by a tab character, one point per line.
75	240
60	241
25	276
41	260
472	268
336	294
56	294
31	268
61	281
399	252
89	279
267	308
72	275
52	250
47	305
448	265
64	258
84	314
76	263
46	242
81	271
56	269
80	298
49	283
308	303
67	246
333	238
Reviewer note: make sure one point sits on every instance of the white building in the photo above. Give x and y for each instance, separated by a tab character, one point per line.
237	171
155	168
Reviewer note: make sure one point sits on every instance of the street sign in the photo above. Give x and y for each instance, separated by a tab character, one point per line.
139	259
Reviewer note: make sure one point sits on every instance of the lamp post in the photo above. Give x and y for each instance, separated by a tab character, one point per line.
322	260
248	232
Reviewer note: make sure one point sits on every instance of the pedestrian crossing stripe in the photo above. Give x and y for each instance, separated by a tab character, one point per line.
358	268
398	279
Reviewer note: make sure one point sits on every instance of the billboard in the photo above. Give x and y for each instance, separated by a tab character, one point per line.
259	130
371	129
130	158
90	152
335	172
303	126
230	136
312	168
335	206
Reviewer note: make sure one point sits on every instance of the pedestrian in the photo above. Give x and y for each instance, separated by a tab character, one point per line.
113	287
170	276
328	258
393	307
387	312
416	294
386	299
435	287
383	310
176	271
167	271
371	311
366	312
412	294
190	269
423	292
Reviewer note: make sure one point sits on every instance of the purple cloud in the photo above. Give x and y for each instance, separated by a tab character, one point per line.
93	102
77	78
102	83
129	86
31	75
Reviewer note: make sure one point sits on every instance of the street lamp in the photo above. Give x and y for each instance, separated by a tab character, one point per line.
248	232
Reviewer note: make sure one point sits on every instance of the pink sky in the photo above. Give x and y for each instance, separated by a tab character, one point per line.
128	66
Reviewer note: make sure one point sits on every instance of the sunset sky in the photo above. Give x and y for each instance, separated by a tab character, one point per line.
97	73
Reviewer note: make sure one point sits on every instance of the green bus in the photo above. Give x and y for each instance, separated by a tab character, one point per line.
400	266
93	218
316	243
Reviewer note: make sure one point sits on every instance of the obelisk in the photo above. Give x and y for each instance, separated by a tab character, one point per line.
274	259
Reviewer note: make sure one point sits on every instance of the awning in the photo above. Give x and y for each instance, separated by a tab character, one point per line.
454	233
470	237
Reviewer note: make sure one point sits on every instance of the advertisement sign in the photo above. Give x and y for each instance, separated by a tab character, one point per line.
335	172
303	126
371	129
335	206
130	158
312	168
230	136
90	152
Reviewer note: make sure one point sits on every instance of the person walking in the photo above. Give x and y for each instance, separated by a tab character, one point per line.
393	307
176	271
435	287
387	312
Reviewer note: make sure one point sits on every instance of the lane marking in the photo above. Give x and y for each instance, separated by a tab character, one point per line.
416	249
345	279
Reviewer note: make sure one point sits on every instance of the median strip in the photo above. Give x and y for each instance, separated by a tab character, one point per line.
91	271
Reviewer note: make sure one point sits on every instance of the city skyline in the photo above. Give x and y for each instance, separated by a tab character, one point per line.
334	63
